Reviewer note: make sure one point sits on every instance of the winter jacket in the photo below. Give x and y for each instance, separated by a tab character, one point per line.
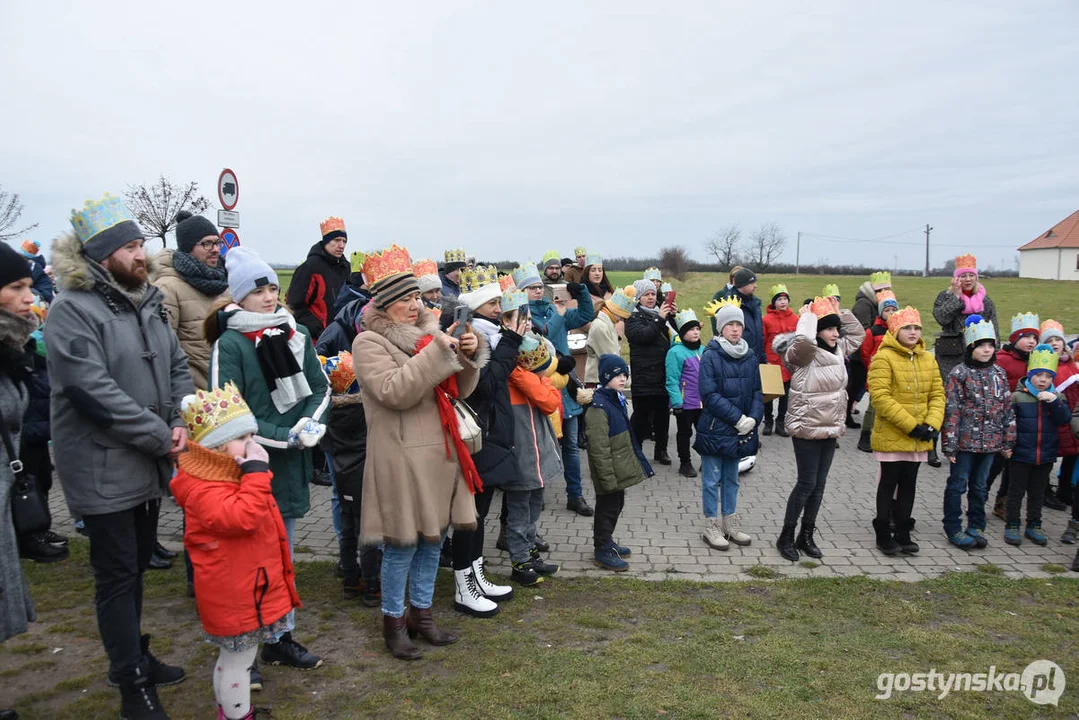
234	360
413	484
450	289
948	311
40	282
547	322
730	388
874	336
978	416
187	310
774	324
1036	427
615	459
352	291
754	329
539	454
865	306
602	340
649	339
314	288
36	423
683	369
118	377
346	442
496	461
817	405
237	542
1014	363
341	333
906	391
1069	443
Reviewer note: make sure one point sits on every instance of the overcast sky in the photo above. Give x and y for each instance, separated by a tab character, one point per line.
509	130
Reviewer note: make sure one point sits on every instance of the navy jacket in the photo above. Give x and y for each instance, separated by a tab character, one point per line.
496	462
615	459
754	327
352	290
730	388
41	282
1036	423
339	334
36	427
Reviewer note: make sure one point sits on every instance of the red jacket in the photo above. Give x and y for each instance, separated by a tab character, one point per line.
237	542
775	323
874	336
1014	364
1069	445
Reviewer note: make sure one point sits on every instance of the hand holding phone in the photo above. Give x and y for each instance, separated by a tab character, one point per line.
461	315
670	298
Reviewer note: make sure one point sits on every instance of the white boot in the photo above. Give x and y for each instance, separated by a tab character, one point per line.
732	530
498	593
468	598
713	534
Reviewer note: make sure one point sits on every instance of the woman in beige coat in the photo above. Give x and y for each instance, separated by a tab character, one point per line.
418	478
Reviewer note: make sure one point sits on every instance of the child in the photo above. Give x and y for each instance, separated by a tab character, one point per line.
779	320
730	387
979	423
1039	411
236	540
683	369
603	338
908	396
615	459
1052	334
874	336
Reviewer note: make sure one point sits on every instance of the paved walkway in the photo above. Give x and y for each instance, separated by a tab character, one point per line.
662	524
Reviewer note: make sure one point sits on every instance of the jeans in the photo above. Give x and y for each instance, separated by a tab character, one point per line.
651	418
416	566
369	563
719	477
290	529
608	508
968	475
904	476
335	502
686	421
1027	481
524	508
571	457
468	544
814	460
121	544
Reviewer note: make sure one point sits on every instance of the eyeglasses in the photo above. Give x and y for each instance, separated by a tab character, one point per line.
209	244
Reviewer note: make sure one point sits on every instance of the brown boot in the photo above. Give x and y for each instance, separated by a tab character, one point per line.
395	632
422	622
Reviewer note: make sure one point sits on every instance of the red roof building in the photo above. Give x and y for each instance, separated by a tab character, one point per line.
1053	255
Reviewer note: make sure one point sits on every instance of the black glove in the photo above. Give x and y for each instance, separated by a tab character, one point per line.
565	364
576	290
677	410
921	432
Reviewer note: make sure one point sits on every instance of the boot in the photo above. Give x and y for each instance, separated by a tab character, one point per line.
934	459
713	534
998	508
607	557
420	621
864	442
661	456
501	543
138	701
1071	533
159	563
1053	501
732	530
580	506
395	633
255	676
852	423
160	674
902	536
162	551
1075	562
768	425
781	429
34	547
805	542
372	592
498	593
885	542
686	470
785	543
467	597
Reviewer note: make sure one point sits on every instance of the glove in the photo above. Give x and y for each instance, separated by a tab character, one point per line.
676	410
745	425
584	396
565	364
576	290
312	433
252	451
921	432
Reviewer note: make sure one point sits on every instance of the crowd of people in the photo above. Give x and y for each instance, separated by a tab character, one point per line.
420	391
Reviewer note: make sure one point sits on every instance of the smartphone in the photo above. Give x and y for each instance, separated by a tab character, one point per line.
523	313
461	315
670	297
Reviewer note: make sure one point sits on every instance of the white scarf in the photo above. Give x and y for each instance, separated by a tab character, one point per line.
286	392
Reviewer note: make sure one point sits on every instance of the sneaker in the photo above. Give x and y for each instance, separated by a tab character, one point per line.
256	675
37	549
541	567
1070	533
290	653
1012	536
580	506
732	530
713	535
979	537
54	539
525	575
158	673
1035	535
686	470
607	557
962	540
622	550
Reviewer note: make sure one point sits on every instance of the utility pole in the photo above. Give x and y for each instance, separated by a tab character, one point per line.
798	255
927	231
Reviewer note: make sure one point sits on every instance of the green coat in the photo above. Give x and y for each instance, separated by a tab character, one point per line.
615	460
234	359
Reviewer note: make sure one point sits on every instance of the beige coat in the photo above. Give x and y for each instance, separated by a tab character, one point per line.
187	309
411	489
817	406
602	339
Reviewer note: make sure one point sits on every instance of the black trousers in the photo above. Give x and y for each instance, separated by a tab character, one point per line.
121	544
901	476
651	418
370	558
468	544
608	508
1000	468
781	416
1028	481
1065	491
686	420
814	459
856	377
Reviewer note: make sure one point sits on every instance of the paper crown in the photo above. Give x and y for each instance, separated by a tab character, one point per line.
653	273
623	301
902	318
593	259
355	261
880	279
473	279
682	317
30	248
551	257
967	263
455	256
1049	329
96	217
424	267
978	329
780	289
666	288
526	274
505	282
332	225
535	353
830	290
822	307
338	369
513	299
579	251
214	417
379	266
715	305
1024	323
1042	359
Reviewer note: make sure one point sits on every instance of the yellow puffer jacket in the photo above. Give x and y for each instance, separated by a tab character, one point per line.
906	390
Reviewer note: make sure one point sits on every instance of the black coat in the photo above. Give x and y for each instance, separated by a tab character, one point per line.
340	333
346	441
497	461
314	288
36	425
649	340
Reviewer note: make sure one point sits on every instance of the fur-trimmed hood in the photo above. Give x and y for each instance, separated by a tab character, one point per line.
75	271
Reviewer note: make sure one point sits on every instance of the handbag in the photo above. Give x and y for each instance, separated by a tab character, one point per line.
949	345
29	511
468	425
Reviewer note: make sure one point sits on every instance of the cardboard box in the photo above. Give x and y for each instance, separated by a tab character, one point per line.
771	382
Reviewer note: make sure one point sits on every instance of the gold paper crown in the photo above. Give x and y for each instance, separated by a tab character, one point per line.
424	267
473	279
340	372
331	224
830	290
506	282
904	317
455	256
1042	359
966	262
378	266
356	261
579	251
713	307
880	278
208	410
535	354
821	307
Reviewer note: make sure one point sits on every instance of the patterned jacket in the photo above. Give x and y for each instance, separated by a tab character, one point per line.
979	416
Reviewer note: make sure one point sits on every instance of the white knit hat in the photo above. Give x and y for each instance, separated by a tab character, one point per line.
247	272
480	296
429	282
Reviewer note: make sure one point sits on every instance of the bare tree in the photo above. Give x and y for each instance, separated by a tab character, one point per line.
155	207
674	261
725	245
10	211
766	245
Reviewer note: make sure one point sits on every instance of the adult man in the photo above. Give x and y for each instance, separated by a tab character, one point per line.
451	273
118	377
575	273
552	273
743	286
320	277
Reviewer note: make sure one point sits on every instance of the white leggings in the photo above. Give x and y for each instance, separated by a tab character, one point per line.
232	682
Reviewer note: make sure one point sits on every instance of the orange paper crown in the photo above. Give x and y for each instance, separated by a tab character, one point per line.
424	267
904	317
506	282
394	260
331	224
966	262
821	307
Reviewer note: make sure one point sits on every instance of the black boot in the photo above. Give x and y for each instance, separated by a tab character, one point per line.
785	543
934	459
902	536
864	441
686	470
501	543
781	429
805	542
35	547
885	542
767	429
162	551
852	423
661	456
160	674
138	701
1075	562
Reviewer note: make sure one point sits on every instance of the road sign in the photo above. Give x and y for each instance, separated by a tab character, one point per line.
229	239
228	218
228	189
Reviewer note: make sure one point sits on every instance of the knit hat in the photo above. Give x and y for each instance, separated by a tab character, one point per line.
389	275
332	228
480	297
454	260
1051	329
778	290
30	248
965	264
567	261
13	267
190	229
247	272
215	417
881	280
642	287
526	274
686	320
903	318
611	366
827	317
426	273
1024	324
1042	359
653	273
726	311
978	329
622	302
743	277
884	299
551	258
104	226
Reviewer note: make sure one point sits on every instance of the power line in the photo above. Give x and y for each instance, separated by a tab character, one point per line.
844	240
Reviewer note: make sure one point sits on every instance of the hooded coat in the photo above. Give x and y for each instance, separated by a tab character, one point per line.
774	324
41	282
341	333
413	486
539	454
906	390
118	377
615	458
865	306
314	288
497	459
649	339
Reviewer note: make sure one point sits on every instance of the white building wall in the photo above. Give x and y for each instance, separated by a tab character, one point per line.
1050	263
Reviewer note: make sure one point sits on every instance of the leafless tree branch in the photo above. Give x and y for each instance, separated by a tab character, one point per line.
726	246
155	207
10	211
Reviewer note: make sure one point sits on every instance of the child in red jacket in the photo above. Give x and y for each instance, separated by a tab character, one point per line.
779	321
236	540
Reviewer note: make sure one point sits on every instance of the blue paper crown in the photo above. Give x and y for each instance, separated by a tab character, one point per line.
526	274
665	288
684	316
652	274
978	329
1025	321
96	217
513	299
593	259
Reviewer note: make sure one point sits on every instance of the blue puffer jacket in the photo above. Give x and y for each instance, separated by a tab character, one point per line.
730	388
547	322
754	327
1036	423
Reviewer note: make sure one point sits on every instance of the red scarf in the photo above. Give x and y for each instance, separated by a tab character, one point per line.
448	389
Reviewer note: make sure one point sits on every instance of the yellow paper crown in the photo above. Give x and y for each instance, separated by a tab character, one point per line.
830	290
424	267
780	289
579	251
966	262
473	279
821	307
713	307
356	261
378	266
331	224
882	278
455	256
904	317
210	410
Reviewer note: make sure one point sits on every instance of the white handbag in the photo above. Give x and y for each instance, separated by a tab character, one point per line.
468	426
